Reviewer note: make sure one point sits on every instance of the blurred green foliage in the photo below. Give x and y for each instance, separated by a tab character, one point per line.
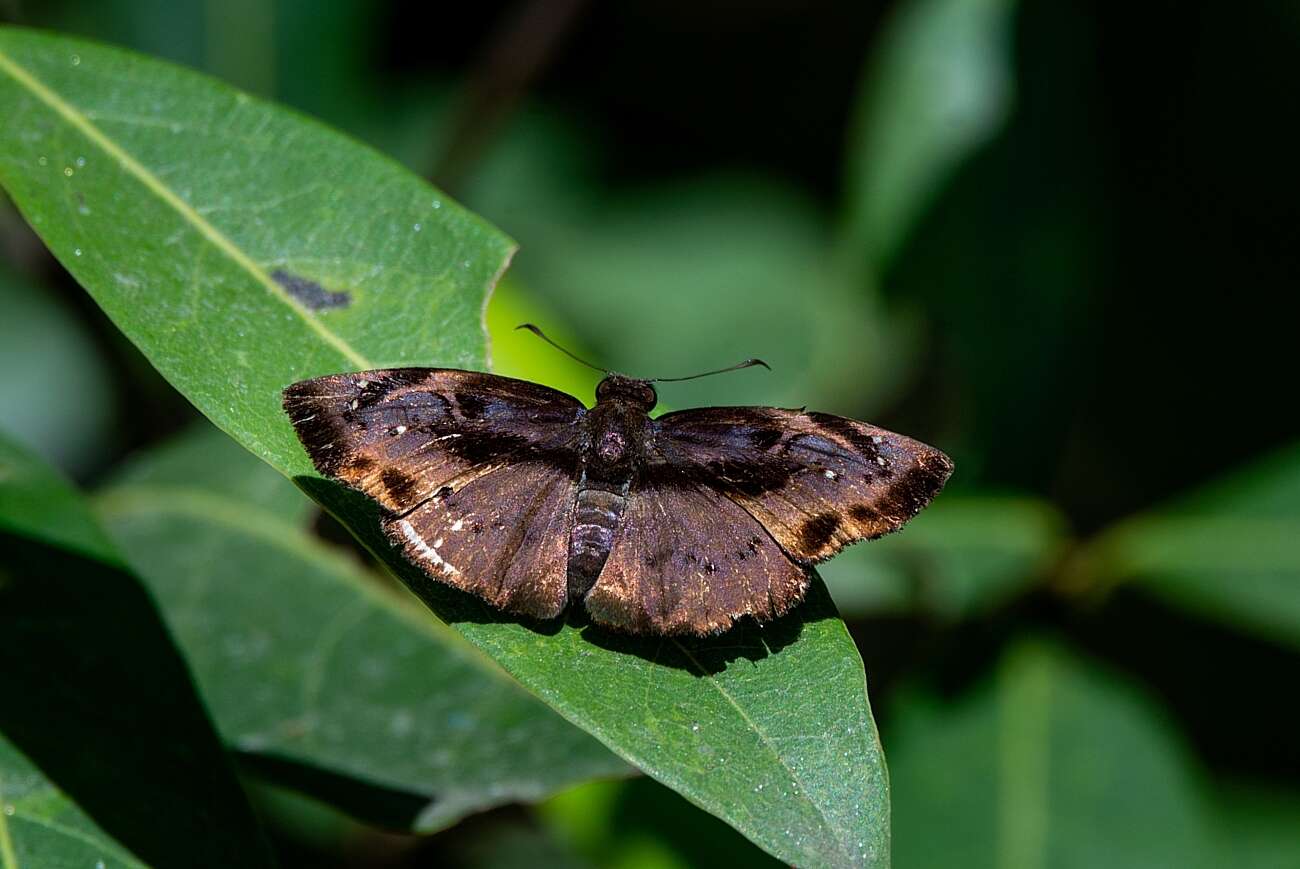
1056	240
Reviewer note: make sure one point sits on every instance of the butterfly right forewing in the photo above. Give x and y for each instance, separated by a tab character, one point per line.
816	482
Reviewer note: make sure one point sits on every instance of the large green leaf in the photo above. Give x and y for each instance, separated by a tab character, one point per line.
195	196
1052	764
1229	552
239	246
336	673
96	706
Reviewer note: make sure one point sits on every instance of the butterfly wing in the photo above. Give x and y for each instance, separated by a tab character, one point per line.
687	560
815	482
477	472
401	434
503	535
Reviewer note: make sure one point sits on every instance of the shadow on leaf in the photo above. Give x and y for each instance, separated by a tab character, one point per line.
375	804
97	696
702	656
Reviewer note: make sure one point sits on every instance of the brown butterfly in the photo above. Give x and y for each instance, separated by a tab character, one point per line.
679	524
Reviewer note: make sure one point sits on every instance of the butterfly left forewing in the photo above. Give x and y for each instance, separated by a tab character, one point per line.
816	482
401	434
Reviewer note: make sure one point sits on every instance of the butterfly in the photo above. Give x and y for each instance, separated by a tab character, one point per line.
676	524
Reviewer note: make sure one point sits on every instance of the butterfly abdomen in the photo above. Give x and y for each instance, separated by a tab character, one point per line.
595	520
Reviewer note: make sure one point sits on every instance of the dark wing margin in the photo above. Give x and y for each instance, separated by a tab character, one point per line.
686	560
816	482
502	535
401	434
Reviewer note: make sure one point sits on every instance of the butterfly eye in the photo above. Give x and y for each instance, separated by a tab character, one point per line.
648	398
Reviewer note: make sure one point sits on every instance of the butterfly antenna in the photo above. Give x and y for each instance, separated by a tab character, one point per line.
540	334
748	363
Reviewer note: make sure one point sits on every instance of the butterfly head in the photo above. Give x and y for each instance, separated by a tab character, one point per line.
638	393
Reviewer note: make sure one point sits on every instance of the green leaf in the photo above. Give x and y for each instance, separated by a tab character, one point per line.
938	86
201	192
97	706
964	555
41	826
1053	764
239	246
337	672
1229	552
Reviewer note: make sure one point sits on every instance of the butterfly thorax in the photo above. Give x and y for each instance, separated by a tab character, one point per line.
613	438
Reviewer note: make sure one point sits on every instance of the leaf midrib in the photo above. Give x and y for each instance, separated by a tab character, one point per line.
1024	745
25	79
769	745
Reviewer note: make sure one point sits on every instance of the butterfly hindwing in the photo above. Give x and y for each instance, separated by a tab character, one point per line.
401	434
502	534
816	482
686	560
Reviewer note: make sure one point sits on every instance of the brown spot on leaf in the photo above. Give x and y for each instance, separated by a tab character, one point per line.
309	293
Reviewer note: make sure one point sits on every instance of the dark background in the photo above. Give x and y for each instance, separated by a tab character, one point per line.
1094	308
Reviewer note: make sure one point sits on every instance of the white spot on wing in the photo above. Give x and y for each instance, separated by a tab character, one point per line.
830	475
424	550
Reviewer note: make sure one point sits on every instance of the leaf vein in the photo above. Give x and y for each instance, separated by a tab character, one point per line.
187	212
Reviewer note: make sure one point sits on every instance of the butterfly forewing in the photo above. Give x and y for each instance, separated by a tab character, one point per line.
401	434
816	482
